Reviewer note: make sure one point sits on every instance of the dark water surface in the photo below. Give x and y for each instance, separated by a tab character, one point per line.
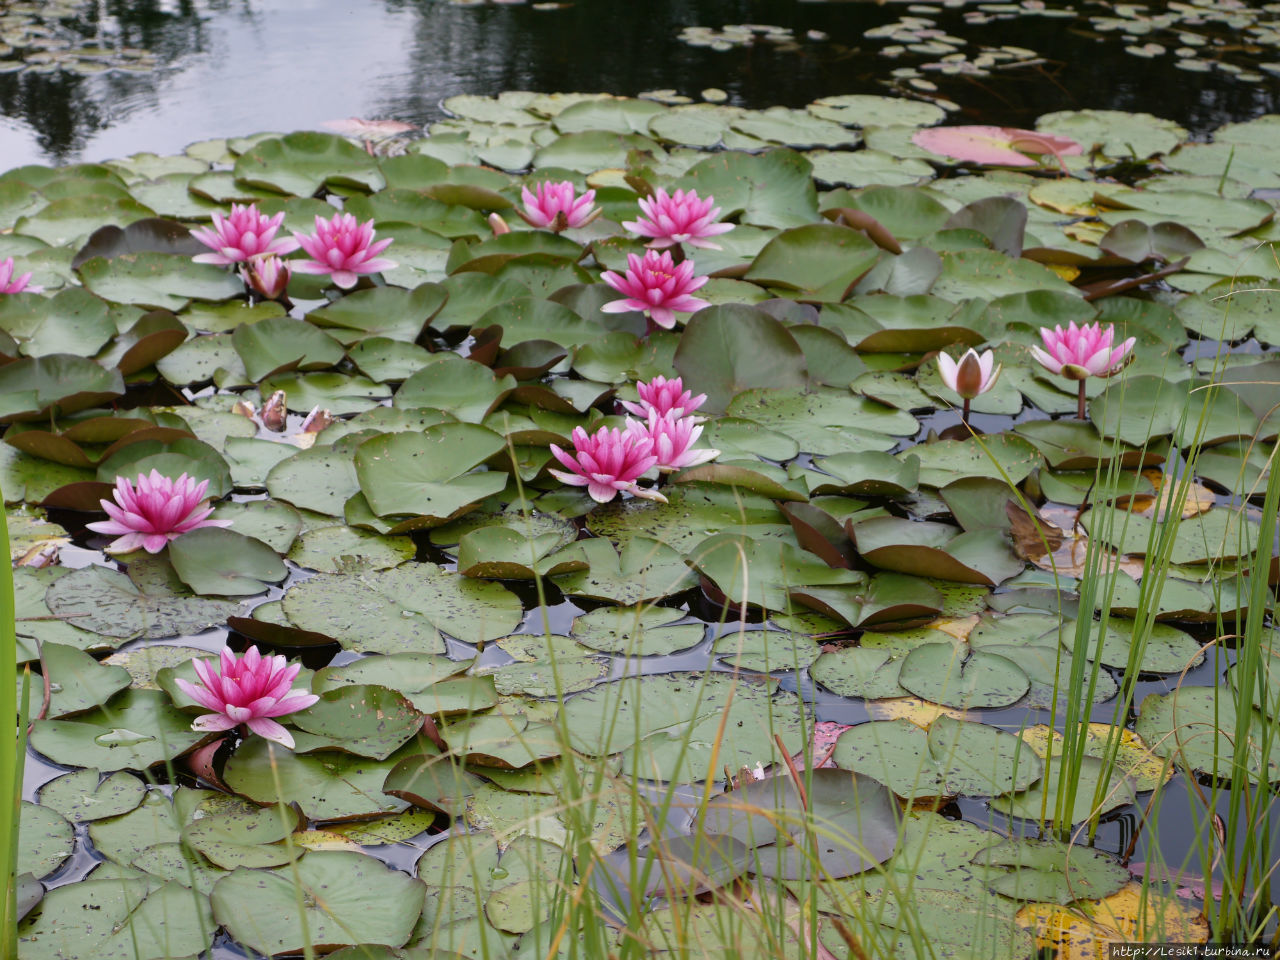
234	67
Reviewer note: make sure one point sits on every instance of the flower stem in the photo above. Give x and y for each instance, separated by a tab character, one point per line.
1080	411
964	415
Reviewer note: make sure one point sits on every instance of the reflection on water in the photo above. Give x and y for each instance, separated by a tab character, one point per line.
239	66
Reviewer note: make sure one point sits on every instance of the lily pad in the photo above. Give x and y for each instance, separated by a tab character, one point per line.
149	602
953	757
300	163
120	920
666	725
408	604
356	901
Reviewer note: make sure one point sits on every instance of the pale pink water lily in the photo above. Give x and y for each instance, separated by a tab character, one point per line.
1002	146
344	248
247	691
657	286
242	236
680	217
673	440
11	284
154	512
555	207
607	462
1078	353
970	376
360	129
664	397
267	276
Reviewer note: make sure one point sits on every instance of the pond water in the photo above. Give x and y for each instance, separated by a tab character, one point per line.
161	74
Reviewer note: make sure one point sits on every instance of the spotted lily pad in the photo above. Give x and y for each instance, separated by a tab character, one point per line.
666	725
356	901
407	603
954	757
120	920
137	730
149	602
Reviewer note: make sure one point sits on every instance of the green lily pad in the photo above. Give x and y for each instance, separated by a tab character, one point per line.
824	422
426	474
299	164
819	261
643	569
244	836
949	675
409	603
326	785
77	681
1198	726
863	672
666	725
855	818
1053	872
119	920
727	349
1001	457
328	549
161	281
149	602
636	631
547	666
761	572
283	343
368	721
771	189
84	795
381	312
225	563
936	550
45	840
1040	801
55	385
138	730
505	554
765	651
954	757
73	321
692	512
322	479
356	901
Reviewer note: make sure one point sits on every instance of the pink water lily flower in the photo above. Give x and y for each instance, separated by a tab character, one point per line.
248	691
673	439
342	247
242	236
267	276
154	512
607	462
664	397
657	286
554	206
11	284
1078	353
679	218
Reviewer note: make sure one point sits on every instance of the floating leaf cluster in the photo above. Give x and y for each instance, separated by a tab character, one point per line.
848	532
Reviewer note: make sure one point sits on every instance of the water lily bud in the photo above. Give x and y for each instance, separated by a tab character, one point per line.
274	412
498	225
970	376
266	276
